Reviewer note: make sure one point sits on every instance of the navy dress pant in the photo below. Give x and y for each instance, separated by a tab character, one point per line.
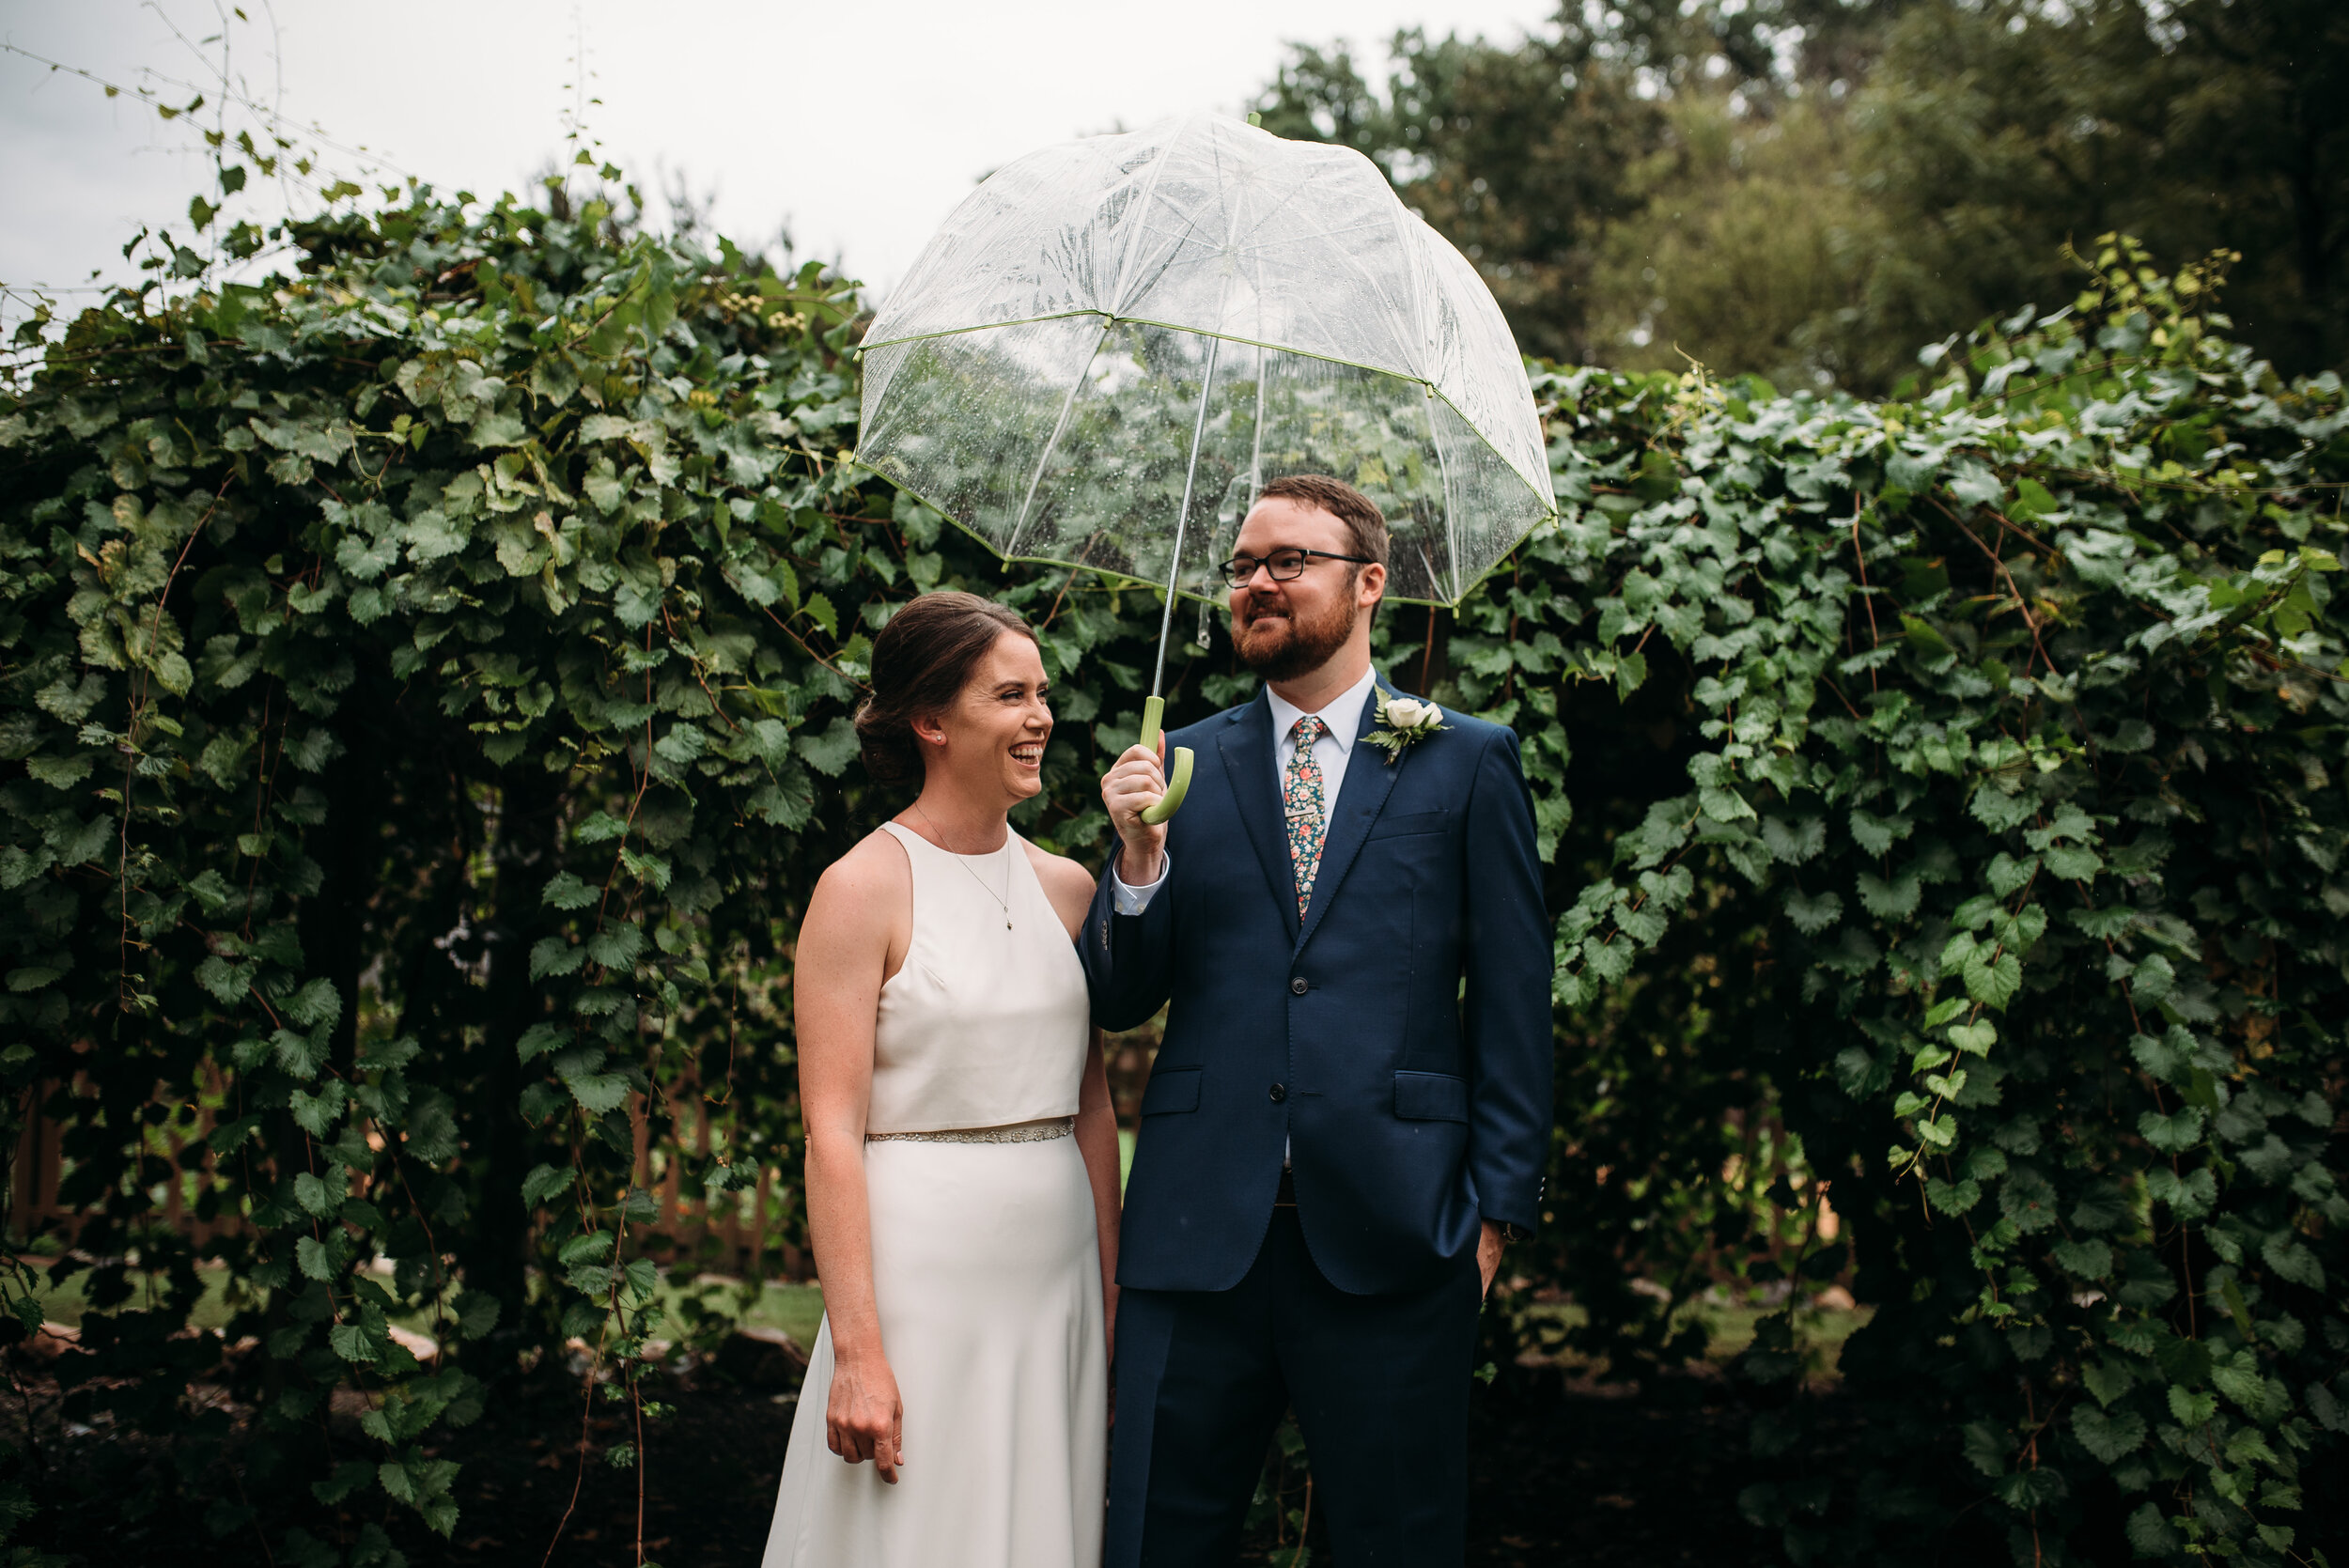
1379	1385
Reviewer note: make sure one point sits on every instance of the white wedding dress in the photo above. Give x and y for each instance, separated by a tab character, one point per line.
986	1266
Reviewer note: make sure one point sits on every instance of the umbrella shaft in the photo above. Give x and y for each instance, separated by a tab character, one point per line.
1182	518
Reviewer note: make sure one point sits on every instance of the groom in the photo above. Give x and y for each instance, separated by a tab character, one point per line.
1350	1112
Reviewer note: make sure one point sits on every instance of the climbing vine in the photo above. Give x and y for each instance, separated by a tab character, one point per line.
2017	790
425	679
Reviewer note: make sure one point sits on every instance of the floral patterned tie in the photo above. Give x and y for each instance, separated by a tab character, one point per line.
1302	800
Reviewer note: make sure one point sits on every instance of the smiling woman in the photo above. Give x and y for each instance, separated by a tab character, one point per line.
922	661
967	1241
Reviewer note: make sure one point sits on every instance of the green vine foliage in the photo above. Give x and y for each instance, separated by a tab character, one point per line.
422	671
2015	809
424	694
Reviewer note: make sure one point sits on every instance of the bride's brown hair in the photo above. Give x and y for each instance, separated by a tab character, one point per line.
920	661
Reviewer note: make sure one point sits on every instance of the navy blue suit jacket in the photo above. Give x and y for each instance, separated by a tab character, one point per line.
1398	1036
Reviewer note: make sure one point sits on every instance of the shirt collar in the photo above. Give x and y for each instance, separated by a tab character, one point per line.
1343	713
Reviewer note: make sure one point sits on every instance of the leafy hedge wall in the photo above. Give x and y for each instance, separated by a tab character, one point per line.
424	683
421	674
2018	802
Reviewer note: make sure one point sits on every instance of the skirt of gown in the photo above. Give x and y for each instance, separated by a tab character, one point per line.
987	1271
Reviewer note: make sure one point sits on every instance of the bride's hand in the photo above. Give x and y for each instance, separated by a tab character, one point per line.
864	1419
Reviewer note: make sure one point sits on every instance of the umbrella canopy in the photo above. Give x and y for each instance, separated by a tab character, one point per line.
1114	343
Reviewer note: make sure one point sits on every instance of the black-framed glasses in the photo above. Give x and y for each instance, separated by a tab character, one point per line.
1286	565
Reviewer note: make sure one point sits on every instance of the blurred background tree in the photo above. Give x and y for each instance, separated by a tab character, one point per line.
1809	189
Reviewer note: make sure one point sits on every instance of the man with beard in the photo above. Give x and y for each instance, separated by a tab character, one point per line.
1350	1112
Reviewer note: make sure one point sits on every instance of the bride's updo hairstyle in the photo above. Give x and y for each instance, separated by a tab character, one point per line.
920	661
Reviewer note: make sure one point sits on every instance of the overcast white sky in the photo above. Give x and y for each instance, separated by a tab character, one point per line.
858	126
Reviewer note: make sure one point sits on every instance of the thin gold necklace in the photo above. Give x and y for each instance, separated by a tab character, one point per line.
1004	899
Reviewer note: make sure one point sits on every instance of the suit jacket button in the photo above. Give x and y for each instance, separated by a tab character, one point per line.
1279	1092
1297	985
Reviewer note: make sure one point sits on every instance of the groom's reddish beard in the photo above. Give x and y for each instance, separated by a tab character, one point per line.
1279	646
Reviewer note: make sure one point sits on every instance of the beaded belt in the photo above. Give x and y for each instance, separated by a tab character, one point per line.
1026	1132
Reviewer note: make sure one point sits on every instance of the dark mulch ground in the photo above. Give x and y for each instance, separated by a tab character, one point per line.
1560	1474
1606	1481
1565	1472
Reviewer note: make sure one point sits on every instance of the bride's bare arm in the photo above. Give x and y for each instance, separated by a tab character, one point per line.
1097	1140
1071	893
859	923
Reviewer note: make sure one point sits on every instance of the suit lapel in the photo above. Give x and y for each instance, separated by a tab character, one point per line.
1369	780
1248	759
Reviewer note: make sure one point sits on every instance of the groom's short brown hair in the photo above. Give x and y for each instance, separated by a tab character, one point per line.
1363	521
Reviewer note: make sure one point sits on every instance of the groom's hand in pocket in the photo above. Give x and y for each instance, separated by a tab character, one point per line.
864	1419
1488	1255
1135	783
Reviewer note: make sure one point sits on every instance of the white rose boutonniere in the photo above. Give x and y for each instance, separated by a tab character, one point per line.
1403	721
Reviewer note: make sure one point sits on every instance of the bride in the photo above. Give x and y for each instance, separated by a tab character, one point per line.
961	1152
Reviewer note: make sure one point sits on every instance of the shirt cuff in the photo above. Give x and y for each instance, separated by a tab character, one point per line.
1133	901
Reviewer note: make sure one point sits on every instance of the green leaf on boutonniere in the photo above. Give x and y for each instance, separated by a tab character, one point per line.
1402	722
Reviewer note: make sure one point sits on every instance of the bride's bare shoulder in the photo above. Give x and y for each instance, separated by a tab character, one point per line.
1068	885
875	872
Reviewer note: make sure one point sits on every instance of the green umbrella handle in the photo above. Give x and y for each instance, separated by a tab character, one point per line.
1154	711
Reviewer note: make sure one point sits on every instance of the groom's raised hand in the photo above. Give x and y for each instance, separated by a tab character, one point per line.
1135	783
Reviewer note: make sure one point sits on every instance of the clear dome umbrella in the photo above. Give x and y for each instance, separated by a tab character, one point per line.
1112	344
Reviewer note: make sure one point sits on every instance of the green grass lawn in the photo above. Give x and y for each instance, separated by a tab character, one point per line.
795	1308
64	1304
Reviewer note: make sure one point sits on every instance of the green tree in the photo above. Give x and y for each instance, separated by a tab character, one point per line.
1518	155
1990	134
1529	156
1750	246
1812	189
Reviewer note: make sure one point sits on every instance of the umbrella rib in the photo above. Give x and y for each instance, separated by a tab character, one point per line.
1415	258
1176	238
1371	283
1451	525
1011	541
1255	454
1190	477
1306	237
1548	502
869	344
1174	563
1141	218
1255	457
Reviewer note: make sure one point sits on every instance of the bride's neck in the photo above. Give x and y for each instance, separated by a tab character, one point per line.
950	818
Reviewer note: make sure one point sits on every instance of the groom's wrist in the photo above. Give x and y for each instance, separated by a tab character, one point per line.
1141	870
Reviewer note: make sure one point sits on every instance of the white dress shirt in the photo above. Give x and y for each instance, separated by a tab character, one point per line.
1342	716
